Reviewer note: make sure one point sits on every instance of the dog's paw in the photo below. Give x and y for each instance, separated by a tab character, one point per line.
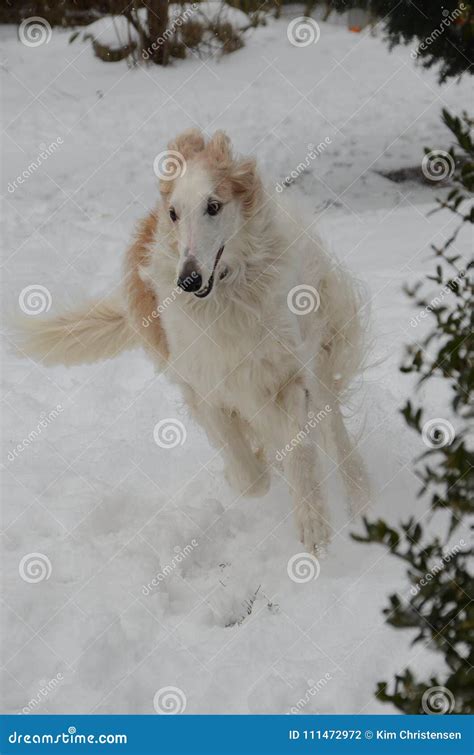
313	529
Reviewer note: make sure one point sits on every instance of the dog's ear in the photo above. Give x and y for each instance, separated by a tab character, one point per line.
188	144
246	184
219	150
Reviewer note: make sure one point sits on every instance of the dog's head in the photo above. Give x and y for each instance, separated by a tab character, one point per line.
208	196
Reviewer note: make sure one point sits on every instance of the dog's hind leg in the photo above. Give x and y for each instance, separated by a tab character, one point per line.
301	466
351	464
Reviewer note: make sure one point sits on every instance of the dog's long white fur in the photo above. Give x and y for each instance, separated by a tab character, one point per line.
249	368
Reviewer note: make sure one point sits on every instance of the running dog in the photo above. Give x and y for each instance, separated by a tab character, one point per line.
230	292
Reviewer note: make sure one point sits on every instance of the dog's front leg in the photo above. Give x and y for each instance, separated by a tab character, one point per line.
246	471
301	467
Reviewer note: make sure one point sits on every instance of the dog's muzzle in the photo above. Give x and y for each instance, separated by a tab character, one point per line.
210	284
191	280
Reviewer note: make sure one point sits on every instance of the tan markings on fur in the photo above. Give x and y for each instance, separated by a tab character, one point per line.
234	178
96	330
188	144
142	301
247	186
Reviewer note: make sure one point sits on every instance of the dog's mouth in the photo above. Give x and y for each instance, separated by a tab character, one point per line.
210	284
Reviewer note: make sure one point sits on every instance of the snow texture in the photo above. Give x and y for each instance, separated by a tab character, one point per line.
154	574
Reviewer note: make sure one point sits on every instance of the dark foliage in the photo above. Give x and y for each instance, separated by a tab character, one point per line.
439	605
440	32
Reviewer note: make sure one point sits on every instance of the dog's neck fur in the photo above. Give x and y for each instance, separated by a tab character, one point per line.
259	245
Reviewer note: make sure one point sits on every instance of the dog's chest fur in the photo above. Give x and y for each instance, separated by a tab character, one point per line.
231	360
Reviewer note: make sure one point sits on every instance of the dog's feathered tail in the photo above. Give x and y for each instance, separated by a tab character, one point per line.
98	330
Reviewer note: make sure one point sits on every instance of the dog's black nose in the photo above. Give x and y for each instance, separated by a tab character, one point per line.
190	278
190	282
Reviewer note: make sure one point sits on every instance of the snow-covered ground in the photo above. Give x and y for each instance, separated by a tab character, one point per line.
106	508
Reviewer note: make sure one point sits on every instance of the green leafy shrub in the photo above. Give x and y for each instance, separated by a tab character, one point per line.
440	605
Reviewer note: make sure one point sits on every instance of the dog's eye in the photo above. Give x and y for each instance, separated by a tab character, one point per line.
213	208
173	215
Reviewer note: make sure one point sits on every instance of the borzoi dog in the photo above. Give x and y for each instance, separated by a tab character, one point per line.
231	294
